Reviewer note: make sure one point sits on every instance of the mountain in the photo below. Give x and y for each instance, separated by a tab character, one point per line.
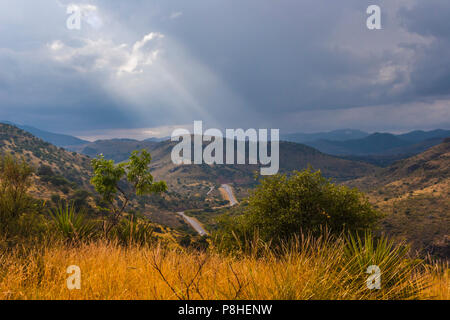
293	156
59	140
154	139
115	149
382	146
414	193
390	156
336	135
419	135
57	171
60	174
373	144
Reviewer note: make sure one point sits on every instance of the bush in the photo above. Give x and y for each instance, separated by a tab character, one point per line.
72	225
396	268
45	170
132	230
15	180
282	207
79	198
56	199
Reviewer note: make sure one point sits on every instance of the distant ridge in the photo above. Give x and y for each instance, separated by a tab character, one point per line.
336	135
57	139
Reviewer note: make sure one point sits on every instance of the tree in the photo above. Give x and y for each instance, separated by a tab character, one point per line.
45	170
117	183
15	180
284	206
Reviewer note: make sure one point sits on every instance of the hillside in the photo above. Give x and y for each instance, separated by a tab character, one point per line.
293	156
60	174
115	149
57	139
414	194
384	144
57	171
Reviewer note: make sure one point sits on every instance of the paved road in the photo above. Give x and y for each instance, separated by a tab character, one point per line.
231	197
194	224
210	190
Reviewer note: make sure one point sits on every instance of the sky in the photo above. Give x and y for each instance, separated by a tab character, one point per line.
141	68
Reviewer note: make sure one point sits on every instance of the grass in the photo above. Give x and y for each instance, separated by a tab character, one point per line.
305	269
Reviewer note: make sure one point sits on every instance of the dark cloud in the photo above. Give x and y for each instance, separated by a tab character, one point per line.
230	63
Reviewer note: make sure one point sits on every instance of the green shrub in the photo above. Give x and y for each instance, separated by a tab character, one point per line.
132	230
397	269
72	225
45	170
56	199
15	180
282	207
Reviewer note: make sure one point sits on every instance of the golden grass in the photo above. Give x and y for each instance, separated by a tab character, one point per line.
109	271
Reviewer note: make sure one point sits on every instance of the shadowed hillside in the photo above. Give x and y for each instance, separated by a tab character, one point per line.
57	171
414	193
293	156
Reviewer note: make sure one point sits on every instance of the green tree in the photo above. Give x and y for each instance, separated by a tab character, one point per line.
15	180
117	183
284	206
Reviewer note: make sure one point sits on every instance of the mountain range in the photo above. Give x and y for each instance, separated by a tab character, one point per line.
413	192
380	149
335	135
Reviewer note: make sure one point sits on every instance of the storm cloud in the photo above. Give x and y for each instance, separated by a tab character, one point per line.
289	64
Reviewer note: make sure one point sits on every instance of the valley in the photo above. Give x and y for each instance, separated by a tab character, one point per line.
413	193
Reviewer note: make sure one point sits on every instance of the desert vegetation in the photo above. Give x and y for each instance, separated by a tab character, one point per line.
316	242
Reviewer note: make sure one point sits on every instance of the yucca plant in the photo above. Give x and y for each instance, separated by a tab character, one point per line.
72	225
398	271
133	231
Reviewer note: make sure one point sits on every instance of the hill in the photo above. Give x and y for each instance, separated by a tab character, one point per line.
293	156
336	135
381	144
414	194
60	174
57	170
419	135
381	149
57	139
115	149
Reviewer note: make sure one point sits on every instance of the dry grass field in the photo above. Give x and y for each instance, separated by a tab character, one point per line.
318	269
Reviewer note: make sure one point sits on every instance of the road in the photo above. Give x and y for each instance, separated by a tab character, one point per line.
194	224
210	190
231	196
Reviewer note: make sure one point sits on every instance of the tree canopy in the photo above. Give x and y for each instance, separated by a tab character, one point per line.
283	206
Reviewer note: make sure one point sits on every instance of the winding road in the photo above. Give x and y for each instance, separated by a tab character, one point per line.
194	224
231	196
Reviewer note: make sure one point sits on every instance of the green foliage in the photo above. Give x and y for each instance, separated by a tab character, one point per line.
79	198
55	198
15	180
109	178
282	207
72	225
132	230
138	174
106	176
185	241
397	268
45	170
